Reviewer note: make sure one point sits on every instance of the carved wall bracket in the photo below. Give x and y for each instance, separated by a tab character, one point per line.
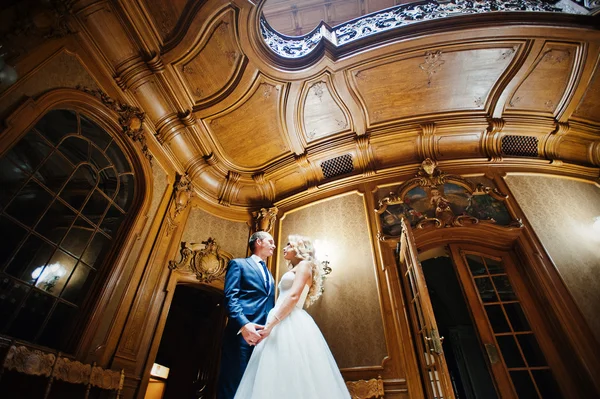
264	219
131	118
208	263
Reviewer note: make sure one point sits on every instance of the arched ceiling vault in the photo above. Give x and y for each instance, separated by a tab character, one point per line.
252	129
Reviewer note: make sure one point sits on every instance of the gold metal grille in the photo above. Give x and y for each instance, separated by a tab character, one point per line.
337	166
520	146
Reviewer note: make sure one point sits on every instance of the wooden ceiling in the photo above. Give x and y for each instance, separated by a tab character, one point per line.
252	129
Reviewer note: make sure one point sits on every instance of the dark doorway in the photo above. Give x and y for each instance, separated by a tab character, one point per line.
468	370
190	343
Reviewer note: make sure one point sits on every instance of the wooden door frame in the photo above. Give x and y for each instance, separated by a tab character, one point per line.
567	342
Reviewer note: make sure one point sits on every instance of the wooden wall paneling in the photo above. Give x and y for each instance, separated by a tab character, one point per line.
565	321
401	373
139	330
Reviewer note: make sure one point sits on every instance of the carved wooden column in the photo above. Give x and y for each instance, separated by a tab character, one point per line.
140	328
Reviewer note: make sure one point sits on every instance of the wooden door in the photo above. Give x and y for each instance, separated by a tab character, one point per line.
429	343
496	296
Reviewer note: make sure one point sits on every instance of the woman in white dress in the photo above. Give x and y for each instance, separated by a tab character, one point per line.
292	360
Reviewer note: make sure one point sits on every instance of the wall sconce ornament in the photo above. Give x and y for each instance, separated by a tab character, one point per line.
208	263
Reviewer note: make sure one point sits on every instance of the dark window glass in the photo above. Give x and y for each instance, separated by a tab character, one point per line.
78	284
55	172
523	385
33	254
12	294
76	149
11	180
95	207
99	245
107	181
29	152
116	155
93	132
497	319
31	316
76	241
510	351
516	317
11	235
486	289
79	186
63	319
29	204
125	195
57	124
112	221
66	188
56	221
476	265
531	350
98	159
494	266
504	288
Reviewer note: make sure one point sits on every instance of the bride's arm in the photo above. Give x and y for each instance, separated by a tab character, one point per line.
302	278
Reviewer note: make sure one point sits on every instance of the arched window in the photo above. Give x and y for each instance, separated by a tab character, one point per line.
66	188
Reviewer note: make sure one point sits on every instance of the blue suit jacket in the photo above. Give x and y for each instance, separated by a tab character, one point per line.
246	300
246	297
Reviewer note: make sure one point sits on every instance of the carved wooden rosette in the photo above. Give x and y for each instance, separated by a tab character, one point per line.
365	389
430	178
29	361
207	264
264	219
131	118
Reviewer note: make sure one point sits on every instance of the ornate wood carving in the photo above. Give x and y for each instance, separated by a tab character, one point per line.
131	118
208	263
264	219
72	371
183	194
365	389
29	361
422	201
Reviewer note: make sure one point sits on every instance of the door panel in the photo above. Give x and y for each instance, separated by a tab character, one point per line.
429	344
518	364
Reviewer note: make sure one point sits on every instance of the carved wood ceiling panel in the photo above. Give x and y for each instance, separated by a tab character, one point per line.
251	133
165	14
438	81
544	87
213	63
589	108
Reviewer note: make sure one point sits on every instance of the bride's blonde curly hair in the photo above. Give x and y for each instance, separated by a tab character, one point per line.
306	251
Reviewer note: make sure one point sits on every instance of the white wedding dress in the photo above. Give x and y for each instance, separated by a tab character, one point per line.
294	361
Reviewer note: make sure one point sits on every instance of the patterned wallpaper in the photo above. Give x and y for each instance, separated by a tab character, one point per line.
561	212
348	313
231	236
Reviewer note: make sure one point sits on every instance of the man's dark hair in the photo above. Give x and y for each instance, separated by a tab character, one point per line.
259	235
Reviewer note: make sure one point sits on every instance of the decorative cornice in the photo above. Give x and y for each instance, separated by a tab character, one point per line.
131	118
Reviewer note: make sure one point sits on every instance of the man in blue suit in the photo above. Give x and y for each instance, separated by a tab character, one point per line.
249	296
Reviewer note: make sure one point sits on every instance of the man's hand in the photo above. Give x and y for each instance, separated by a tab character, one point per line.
264	332
251	334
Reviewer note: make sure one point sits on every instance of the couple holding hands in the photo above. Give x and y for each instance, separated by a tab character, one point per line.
275	350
